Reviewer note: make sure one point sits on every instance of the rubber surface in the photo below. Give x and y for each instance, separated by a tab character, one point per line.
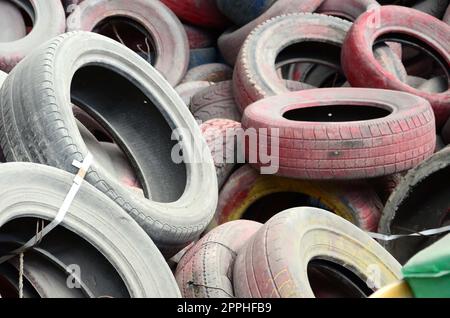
363	71
206	270
320	141
357	202
189	89
198	38
198	12
420	202
202	56
49	21
230	43
243	12
166	31
274	262
92	216
214	72
12	24
216	101
172	188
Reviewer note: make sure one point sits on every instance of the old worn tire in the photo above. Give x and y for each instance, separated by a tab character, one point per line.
216	101
446	18
243	12
198	38
64	68
320	141
202	56
434	8
356	202
49	21
189	89
199	12
169	38
274	262
446	133
92	216
420	202
12	24
220	137
255	79
206	270
230	42
213	72
363	71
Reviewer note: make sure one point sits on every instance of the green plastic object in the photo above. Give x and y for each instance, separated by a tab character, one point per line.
428	272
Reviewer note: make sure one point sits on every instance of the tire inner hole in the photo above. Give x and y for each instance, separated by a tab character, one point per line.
312	62
331	280
336	113
136	125
131	34
421	60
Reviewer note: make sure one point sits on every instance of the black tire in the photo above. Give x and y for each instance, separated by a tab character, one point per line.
37	191
215	102
420	202
436	8
49	21
446	133
42	129
206	270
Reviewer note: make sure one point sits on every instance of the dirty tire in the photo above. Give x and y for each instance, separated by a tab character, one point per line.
242	12
198	12
216	101
50	21
378	142
230	42
214	72
12	24
362	70
202	56
48	121
189	89
92	216
446	18
220	137
434	8
166	30
355	202
274	262
446	133
198	38
206	270
420	202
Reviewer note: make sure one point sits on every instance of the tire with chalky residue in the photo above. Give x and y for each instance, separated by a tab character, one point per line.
277	262
206	270
189	89
341	133
361	68
212	72
246	189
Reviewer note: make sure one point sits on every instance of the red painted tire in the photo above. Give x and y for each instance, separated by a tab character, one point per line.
50	21
169	38
363	70
198	12
230	43
189	89
360	141
278	261
255	76
198	38
216	101
212	72
220	138
250	195
206	270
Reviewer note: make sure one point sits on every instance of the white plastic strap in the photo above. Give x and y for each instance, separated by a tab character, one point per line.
77	181
383	237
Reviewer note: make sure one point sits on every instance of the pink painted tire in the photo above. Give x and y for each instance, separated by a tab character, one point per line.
206	270
198	38
255	76
198	12
49	21
278	261
169	39
250	195
341	133
363	70
230	43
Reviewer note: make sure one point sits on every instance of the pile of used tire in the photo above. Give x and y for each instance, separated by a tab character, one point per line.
290	148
